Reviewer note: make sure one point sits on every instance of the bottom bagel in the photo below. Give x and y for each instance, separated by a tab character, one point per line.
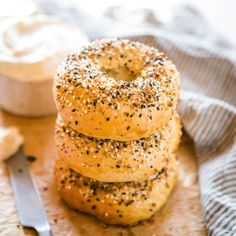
115	203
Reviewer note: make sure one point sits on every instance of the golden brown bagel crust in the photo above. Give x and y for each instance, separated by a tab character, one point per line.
115	203
115	161
96	99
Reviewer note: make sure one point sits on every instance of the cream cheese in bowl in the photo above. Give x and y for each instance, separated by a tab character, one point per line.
30	50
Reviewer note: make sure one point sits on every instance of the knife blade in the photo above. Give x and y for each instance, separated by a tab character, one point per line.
28	201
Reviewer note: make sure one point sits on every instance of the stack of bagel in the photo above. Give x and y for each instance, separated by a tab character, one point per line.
117	130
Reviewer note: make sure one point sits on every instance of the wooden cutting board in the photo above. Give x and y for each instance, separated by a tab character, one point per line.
181	216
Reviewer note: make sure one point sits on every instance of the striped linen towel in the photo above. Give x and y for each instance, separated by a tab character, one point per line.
208	113
207	104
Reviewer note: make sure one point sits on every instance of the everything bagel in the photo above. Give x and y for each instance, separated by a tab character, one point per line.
115	203
115	161
116	89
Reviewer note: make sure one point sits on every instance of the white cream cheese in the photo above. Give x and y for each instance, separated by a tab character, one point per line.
10	141
30	50
31	47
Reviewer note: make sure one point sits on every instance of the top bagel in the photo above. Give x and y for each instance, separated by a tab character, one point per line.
116	89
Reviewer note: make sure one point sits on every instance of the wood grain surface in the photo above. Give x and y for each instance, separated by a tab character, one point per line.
181	216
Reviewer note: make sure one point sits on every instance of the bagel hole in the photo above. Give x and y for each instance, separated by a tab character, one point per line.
120	73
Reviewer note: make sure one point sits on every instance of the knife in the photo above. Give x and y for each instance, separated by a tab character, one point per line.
28	202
